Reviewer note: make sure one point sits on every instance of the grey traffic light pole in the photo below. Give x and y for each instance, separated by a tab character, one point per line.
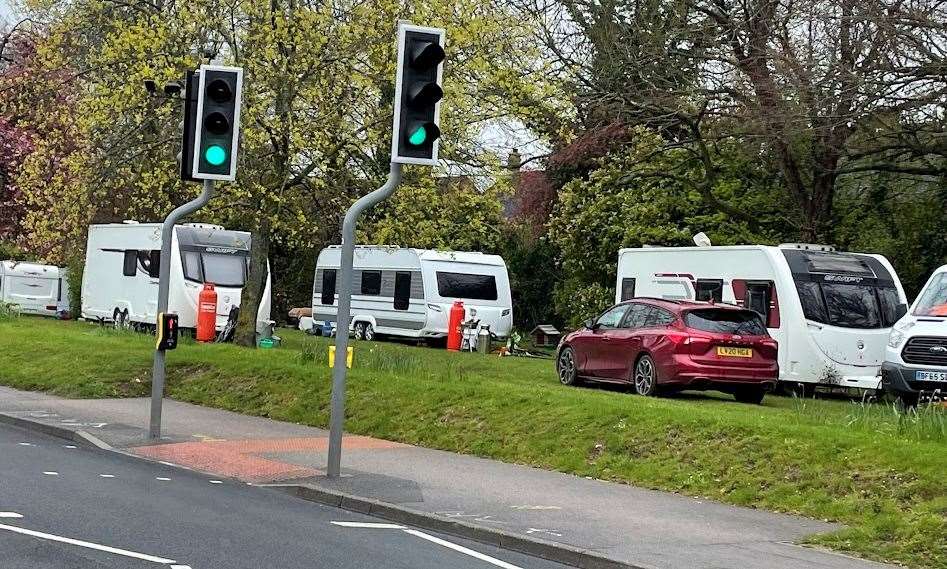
337	412
164	276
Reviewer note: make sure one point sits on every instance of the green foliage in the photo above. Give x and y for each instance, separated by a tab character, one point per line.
531	263
446	213
630	200
10	252
8	311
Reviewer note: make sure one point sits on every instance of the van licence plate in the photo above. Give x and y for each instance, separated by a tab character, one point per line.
930	375
734	352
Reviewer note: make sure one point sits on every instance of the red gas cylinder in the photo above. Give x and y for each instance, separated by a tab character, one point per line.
454	319
207	314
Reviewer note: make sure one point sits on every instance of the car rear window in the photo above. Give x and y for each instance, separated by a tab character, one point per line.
744	322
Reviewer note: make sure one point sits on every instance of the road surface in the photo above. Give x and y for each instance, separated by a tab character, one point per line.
68	507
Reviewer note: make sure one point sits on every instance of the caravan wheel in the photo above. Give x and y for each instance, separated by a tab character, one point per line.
117	319
369	332
359	330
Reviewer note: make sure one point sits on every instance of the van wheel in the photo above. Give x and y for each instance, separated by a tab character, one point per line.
907	402
645	380
753	395
359	330
369	332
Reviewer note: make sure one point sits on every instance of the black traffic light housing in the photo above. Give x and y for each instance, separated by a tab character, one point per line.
167	331
217	122
188	123
418	94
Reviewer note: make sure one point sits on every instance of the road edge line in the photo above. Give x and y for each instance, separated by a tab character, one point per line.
80	437
544	549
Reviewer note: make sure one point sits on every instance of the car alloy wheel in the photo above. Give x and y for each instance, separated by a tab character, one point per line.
565	365
645	376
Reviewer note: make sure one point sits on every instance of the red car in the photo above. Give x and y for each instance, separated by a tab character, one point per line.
656	344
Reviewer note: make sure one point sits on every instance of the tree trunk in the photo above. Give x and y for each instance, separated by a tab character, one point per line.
245	334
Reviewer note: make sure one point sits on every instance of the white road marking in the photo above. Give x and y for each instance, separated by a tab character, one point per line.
166	463
51	473
528	507
87	545
180	567
107	475
367	525
461	549
540	530
25	444
215	481
10	515
69	446
162	478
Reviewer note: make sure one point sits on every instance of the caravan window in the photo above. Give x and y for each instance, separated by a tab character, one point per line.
710	289
150	262
328	286
224	270
851	306
402	290
889	299
371	282
627	289
130	265
192	265
463	285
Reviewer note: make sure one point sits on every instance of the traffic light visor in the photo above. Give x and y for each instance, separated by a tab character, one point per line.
427	55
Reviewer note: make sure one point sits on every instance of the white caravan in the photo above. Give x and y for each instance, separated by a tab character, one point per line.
409	292
34	289
831	312
120	282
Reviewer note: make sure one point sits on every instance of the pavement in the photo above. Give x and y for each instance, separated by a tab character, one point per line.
584	522
64	506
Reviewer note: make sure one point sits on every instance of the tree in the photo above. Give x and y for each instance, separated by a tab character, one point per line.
817	91
626	202
318	88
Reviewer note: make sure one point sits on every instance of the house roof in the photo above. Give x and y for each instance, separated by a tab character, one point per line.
547	329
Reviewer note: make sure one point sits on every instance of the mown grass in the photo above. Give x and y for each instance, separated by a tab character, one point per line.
879	472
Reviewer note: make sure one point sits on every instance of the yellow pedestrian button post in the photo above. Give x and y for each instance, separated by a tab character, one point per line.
348	359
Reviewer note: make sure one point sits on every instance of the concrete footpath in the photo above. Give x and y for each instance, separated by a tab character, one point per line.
583	522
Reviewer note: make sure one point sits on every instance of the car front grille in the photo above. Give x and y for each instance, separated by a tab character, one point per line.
925	350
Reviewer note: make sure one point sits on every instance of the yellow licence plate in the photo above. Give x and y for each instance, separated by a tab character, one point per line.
734	352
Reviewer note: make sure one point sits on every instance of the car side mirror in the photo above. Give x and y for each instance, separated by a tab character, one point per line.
590	324
900	310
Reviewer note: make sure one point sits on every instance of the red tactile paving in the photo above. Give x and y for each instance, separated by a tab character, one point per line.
236	459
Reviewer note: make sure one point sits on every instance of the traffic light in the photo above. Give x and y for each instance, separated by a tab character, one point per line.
167	331
417	95
217	122
186	156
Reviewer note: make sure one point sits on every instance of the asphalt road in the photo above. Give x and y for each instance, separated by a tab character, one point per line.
63	507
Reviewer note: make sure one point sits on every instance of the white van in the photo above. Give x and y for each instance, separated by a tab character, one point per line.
33	288
120	282
409	292
916	355
831	312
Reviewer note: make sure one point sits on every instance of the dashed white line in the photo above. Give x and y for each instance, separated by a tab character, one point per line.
462	549
215	481
50	473
10	515
162	478
86	544
180	567
368	525
25	444
69	446
107	475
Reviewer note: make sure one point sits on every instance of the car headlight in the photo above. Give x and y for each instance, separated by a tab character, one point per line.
895	338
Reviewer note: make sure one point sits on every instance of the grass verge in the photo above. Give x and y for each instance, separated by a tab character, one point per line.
880	473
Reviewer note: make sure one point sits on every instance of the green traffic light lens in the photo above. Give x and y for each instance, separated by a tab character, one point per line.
215	155
418	137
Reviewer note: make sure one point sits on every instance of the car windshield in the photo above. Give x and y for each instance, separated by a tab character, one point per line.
933	301
742	322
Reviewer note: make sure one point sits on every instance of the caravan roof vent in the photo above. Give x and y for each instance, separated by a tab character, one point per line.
205	226
129	222
807	246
